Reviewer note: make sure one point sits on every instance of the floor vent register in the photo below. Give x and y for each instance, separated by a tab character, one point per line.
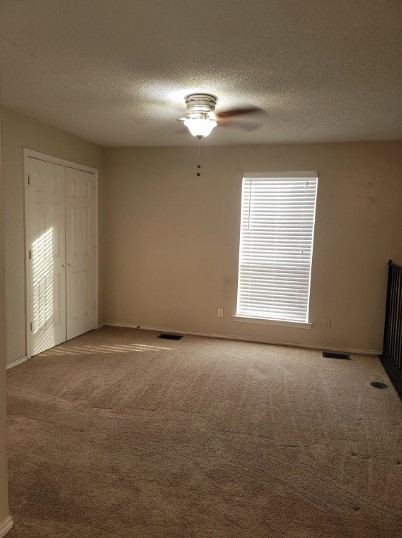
168	336
329	355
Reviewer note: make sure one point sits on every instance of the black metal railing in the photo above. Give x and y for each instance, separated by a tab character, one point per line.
392	347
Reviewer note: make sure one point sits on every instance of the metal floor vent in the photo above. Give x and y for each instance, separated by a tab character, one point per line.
378	385
168	336
329	355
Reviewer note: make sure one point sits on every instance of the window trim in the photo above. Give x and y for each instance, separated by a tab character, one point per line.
267	321
270	175
276	322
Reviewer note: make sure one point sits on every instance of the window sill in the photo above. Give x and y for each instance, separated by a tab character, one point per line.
277	322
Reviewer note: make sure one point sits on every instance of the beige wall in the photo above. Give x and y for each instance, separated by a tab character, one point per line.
172	238
3	423
20	132
169	240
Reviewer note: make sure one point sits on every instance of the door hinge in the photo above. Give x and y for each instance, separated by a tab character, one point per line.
30	254
30	325
29	180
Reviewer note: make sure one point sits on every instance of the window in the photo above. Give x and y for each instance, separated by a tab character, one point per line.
276	245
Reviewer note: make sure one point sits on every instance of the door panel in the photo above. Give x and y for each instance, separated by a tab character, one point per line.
46	243
80	249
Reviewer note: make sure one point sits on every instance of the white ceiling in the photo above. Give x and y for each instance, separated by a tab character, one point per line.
116	71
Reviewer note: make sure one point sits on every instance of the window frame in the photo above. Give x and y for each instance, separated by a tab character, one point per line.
268	321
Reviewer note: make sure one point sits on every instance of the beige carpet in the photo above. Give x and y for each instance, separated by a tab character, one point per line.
121	434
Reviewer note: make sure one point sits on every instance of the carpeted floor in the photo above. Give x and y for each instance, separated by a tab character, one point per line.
121	434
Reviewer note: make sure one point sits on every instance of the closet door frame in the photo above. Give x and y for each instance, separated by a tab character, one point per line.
28	153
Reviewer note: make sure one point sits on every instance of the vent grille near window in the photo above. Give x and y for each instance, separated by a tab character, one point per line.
276	242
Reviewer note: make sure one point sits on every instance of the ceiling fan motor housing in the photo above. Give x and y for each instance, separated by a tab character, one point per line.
200	103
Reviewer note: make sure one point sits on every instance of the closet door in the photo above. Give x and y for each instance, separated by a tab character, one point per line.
46	254
80	251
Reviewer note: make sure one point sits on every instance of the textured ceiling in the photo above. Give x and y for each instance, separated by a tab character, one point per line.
116	71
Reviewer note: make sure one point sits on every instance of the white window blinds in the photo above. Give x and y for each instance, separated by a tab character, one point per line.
276	244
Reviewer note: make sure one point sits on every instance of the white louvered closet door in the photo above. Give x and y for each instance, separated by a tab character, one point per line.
46	254
61	271
80	249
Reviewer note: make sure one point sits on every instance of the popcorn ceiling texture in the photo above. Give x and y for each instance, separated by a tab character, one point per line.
116	72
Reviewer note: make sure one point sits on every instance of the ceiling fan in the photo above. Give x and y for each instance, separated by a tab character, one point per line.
201	117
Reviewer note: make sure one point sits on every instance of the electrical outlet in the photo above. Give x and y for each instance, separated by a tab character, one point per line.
327	323
220	312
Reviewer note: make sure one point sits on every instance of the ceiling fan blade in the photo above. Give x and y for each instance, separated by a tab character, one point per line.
238	111
243	125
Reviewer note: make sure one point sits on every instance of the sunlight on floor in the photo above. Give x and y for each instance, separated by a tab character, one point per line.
93	350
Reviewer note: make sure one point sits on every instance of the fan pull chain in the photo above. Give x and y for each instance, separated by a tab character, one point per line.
199	156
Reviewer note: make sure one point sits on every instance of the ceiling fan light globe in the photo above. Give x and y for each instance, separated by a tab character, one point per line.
200	126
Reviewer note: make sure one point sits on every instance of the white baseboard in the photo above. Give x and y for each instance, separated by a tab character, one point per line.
243	339
128	326
16	362
5	526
